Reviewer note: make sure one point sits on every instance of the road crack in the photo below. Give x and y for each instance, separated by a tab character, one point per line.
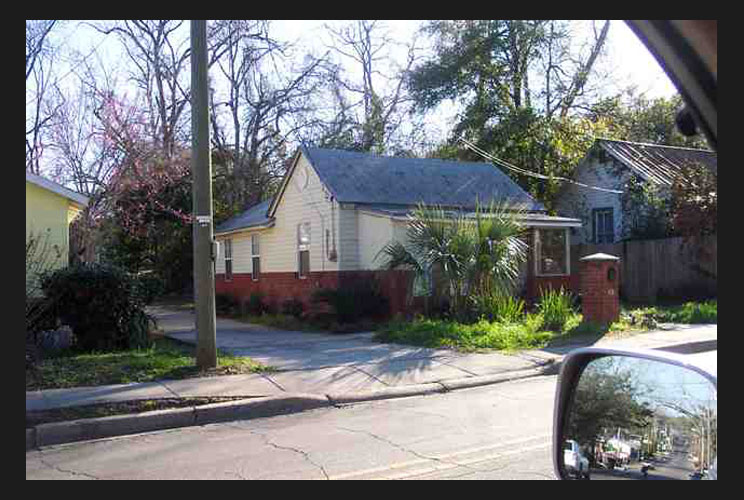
66	471
407	450
304	454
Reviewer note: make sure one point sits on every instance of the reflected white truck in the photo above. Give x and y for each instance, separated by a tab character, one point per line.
575	461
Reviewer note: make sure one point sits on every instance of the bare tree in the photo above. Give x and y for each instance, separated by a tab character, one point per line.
160	69
39	80
264	106
365	43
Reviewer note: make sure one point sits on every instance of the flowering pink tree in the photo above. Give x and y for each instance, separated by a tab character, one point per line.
148	218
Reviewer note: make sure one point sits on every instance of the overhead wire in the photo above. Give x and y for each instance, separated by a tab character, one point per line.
528	173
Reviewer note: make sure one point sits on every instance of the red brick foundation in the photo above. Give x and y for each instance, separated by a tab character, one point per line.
395	285
600	288
278	287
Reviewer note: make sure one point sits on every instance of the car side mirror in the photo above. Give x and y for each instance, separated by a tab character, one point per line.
627	414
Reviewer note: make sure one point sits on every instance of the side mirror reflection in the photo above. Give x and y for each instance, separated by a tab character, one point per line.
636	418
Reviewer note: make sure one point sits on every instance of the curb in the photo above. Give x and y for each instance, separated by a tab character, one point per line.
119	425
244	409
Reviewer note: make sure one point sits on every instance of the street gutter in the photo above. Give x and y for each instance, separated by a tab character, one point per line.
118	425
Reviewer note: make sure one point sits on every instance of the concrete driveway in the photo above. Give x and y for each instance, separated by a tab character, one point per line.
390	364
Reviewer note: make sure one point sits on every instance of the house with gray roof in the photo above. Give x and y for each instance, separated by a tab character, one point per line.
335	210
612	166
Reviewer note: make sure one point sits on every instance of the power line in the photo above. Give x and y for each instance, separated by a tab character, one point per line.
527	173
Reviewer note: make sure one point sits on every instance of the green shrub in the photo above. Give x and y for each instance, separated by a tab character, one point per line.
293	307
497	307
149	286
100	303
255	305
483	334
689	313
225	303
353	302
555	307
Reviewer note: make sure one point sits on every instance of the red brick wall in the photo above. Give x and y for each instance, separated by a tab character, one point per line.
278	287
600	301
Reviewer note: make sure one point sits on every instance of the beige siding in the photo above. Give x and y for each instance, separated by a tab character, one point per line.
278	246
241	253
349	231
375	232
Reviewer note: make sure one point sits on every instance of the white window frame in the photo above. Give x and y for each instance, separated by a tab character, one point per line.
255	254
228	258
303	246
596	213
538	250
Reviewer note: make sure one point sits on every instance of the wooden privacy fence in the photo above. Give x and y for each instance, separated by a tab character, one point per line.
670	268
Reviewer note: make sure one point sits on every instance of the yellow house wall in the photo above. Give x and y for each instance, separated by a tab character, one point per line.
49	214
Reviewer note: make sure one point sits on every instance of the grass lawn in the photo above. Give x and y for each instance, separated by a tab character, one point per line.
689	313
165	359
481	335
529	333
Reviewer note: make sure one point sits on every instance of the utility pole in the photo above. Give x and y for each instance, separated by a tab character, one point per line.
201	165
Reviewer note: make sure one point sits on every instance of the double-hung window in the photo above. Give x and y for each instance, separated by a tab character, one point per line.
255	258
228	259
603	223
303	250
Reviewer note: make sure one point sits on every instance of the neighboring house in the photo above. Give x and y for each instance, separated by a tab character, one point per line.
335	210
50	208
611	164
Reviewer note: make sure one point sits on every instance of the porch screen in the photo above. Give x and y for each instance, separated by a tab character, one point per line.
551	252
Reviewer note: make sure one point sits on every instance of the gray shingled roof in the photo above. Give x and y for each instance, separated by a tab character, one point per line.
398	183
371	179
657	163
254	216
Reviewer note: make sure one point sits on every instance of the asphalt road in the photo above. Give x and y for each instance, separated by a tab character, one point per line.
501	431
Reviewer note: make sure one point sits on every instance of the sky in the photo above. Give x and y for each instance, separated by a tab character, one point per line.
631	61
662	381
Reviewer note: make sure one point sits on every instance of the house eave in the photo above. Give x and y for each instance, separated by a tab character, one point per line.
528	220
246	229
77	199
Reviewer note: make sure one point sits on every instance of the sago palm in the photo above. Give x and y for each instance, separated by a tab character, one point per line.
476	255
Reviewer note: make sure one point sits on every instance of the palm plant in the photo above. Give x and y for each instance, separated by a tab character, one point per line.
479	255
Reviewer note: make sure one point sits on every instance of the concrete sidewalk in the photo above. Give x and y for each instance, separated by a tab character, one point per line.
313	370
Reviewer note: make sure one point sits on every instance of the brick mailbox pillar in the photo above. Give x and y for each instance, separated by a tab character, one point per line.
600	288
